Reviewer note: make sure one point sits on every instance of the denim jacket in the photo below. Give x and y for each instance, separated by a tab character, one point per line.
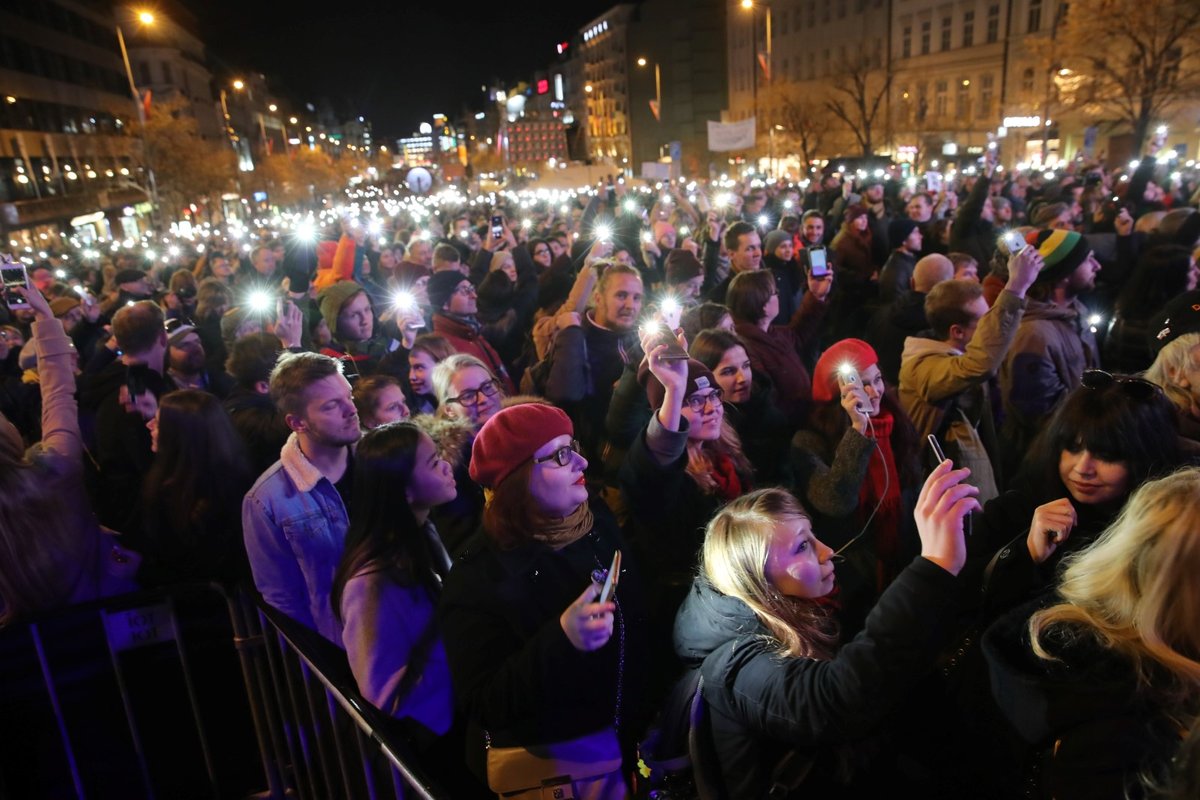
294	523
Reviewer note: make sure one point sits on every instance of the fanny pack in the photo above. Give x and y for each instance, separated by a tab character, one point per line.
586	768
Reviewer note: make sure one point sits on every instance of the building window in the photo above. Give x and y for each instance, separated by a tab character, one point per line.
1035	16
906	42
812	65
939	99
986	92
1027	80
166	69
968	28
144	69
926	34
946	22
993	24
962	101
783	22
841	9
812	13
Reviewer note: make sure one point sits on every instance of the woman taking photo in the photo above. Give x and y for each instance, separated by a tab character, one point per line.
856	468
1101	681
774	678
688	453
547	676
55	552
386	588
779	351
749	400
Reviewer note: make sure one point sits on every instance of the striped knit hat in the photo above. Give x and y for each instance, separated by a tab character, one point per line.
1062	251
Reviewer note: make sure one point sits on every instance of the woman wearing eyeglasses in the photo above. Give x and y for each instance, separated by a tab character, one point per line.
1111	435
468	395
549	677
681	468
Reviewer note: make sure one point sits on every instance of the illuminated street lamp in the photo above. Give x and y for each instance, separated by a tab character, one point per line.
145	18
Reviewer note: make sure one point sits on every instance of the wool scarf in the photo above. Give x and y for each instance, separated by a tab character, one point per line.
558	532
887	519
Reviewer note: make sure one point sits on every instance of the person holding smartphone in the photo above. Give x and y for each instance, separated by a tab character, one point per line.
776	681
57	554
536	661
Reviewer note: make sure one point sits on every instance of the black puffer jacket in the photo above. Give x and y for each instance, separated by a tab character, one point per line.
1083	726
762	705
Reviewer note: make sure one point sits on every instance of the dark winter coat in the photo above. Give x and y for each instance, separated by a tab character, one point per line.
1083	727
515	673
762	704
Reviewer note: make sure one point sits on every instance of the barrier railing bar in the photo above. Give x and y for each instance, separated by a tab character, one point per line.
122	689
275	657
188	683
59	721
302	730
339	749
316	726
422	786
264	722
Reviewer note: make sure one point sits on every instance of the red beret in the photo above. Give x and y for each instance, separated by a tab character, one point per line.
511	437
855	352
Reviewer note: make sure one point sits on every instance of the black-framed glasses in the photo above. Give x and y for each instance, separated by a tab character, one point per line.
472	396
697	402
562	456
1137	388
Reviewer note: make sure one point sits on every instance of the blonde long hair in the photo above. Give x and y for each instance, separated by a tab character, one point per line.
1136	590
734	559
1168	366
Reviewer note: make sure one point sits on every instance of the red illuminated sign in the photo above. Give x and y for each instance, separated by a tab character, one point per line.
543	86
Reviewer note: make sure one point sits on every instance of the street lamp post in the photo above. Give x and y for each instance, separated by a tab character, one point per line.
751	5
146	18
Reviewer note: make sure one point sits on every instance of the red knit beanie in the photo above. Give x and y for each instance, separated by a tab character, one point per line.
855	352
511	437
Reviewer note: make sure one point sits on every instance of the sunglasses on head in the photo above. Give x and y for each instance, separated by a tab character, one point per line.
1137	388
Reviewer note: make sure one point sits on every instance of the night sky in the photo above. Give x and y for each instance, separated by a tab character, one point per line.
395	62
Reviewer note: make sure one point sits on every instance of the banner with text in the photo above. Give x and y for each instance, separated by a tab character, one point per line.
725	136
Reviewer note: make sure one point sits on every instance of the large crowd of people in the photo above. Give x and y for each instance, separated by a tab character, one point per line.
884	488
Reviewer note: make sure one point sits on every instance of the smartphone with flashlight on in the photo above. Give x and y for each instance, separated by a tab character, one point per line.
13	275
497	226
1013	242
818	263
847	375
660	334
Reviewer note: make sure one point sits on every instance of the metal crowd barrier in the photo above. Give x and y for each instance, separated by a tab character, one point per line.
191	691
327	739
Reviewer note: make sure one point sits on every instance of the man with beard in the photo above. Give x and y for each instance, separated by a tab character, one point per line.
186	361
294	518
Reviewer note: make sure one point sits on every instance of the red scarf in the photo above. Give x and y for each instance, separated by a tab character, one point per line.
887	519
729	485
